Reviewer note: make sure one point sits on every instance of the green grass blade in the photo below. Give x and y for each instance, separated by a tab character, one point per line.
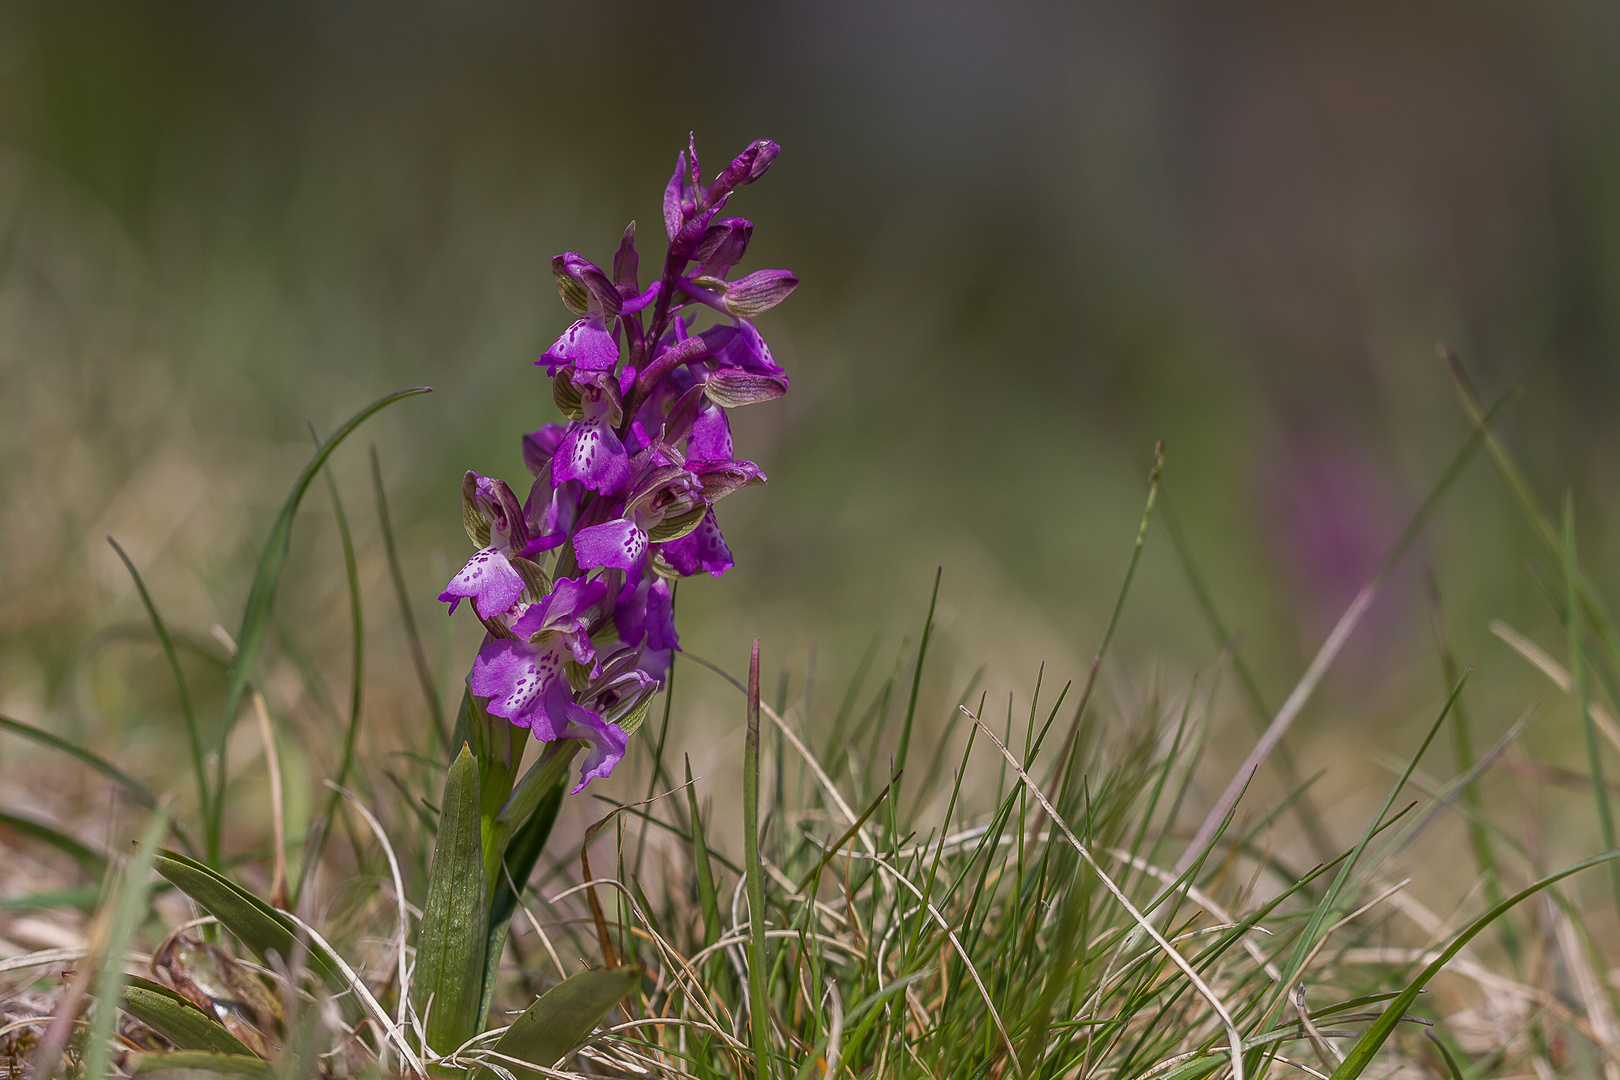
178	1020
454	933
1304	808
1325	909
1071	740
181	687
708	901
916	686
91	862
1361	1054
131	786
129	909
261	597
1577	677
424	672
754	873
562	1018
322	828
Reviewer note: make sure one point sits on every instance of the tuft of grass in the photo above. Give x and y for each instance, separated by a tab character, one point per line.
1038	906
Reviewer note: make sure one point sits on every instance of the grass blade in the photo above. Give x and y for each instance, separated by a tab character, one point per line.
322	828
193	734
131	786
91	862
759	1009
704	869
1361	1054
261	597
424	673
128	910
916	686
1577	677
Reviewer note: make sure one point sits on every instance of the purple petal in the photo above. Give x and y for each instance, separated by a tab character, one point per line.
616	544
672	197
633	304
587	345
711	433
500	508
740	346
538	446
647	618
592	454
489	580
550	512
661	617
605	744
515	676
626	261
704	548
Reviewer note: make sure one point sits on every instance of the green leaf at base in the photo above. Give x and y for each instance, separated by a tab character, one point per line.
562	1018
201	1061
449	984
178	1020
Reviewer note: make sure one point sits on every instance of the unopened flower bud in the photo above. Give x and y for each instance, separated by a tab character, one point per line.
724	243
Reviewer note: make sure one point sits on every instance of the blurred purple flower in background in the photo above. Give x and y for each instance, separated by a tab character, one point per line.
623	497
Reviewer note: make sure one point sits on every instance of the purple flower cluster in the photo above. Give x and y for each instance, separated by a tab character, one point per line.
573	585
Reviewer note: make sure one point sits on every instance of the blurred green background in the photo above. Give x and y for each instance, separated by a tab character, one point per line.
1034	238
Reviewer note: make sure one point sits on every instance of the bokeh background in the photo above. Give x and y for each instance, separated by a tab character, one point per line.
1034	239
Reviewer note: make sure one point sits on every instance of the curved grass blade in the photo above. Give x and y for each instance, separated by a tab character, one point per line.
323	828
450	944
193	734
754	873
256	924
256	616
1366	1047
133	787
562	1018
178	1020
424	672
198	1061
129	909
91	862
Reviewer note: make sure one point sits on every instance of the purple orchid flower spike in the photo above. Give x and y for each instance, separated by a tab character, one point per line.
591	452
496	523
626	490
